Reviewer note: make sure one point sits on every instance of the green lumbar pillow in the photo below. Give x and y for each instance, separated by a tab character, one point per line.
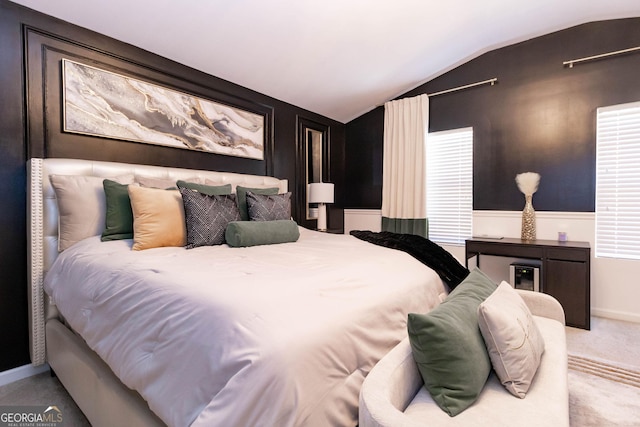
448	346
254	233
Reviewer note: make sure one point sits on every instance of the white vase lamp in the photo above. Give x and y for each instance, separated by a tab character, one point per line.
321	193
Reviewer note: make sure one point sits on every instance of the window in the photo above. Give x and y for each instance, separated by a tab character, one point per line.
450	185
618	181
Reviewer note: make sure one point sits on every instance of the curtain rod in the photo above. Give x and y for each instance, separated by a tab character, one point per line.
455	89
602	55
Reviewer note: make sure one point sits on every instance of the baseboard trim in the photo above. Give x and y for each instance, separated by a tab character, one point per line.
615	315
15	374
363	212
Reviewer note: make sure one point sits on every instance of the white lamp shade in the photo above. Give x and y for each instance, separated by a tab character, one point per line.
320	192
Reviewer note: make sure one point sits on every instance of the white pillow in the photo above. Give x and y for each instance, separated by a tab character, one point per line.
513	340
166	183
151	182
81	206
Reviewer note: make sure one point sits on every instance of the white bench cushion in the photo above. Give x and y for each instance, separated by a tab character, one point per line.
382	400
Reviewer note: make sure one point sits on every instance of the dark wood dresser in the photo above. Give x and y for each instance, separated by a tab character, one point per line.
565	270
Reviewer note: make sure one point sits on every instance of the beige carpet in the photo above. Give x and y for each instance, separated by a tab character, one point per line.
604	374
612	340
43	389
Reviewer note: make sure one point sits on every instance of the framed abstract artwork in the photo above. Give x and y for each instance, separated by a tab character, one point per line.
101	103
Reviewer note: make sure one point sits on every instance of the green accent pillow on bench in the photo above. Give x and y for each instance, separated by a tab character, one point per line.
448	346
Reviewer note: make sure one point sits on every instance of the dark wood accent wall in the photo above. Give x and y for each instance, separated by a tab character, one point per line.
539	117
364	160
31	47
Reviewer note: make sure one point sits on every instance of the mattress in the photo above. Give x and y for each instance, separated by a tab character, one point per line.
277	335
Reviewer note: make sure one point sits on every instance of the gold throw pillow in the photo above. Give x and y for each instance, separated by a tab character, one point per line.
158	218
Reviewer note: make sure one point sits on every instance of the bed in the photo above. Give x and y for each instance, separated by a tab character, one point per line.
279	334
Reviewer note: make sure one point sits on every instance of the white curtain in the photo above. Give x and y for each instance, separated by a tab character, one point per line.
404	201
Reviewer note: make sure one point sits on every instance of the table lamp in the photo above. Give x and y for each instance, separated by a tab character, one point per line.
321	193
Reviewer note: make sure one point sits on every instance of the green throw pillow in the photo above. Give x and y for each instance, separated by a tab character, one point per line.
254	233
448	346
209	190
119	217
241	198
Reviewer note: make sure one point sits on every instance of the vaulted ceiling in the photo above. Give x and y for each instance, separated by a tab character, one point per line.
338	58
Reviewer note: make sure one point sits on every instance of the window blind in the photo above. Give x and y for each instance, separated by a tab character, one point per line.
618	181
450	185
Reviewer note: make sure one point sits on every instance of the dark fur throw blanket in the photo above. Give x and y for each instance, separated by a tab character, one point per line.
424	250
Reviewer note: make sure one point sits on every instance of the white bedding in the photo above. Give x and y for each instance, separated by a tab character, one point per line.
277	335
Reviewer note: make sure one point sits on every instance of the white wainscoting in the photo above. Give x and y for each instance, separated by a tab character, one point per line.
362	219
578	225
615	287
615	283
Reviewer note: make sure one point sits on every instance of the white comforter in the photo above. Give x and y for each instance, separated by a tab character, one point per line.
277	335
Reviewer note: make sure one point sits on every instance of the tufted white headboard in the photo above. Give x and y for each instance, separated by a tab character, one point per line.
42	221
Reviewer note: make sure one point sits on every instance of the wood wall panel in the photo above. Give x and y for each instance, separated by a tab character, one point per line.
363	154
45	53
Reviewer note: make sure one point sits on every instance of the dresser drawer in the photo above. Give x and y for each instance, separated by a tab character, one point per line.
567	254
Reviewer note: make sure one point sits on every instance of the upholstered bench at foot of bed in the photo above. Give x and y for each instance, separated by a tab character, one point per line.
393	392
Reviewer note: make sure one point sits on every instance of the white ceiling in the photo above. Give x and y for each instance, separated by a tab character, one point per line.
338	58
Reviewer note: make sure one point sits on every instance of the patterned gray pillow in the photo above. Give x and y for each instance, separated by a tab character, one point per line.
268	207
207	217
